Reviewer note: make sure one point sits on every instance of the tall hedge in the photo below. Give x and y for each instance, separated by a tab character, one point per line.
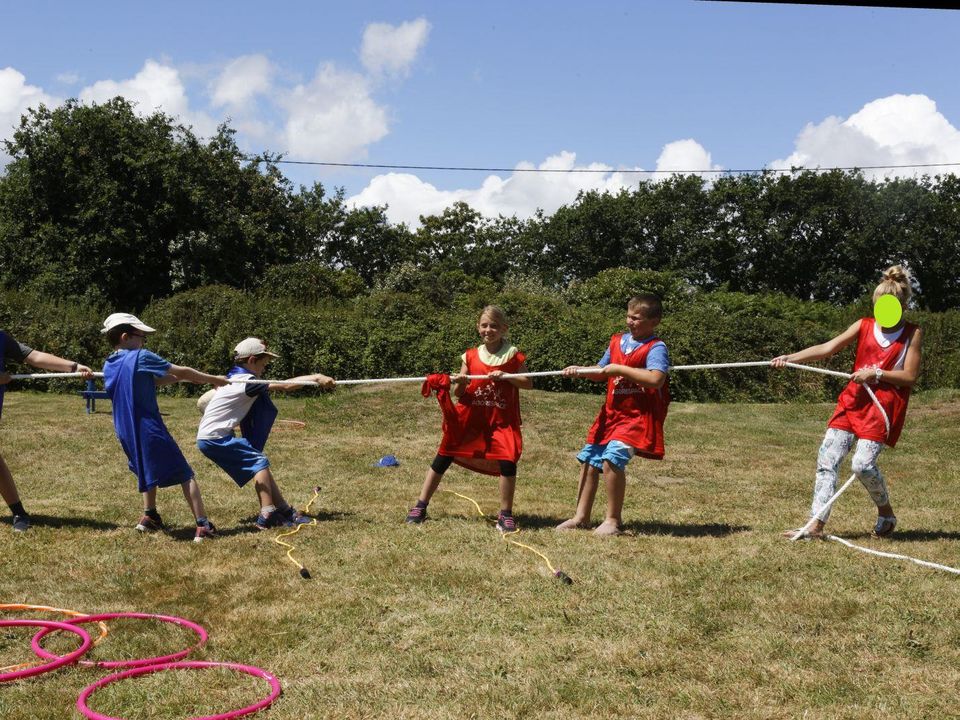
421	321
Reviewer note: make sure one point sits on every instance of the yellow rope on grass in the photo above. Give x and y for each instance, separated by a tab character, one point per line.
44	608
304	573
560	574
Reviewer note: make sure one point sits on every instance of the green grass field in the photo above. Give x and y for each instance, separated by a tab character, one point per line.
700	611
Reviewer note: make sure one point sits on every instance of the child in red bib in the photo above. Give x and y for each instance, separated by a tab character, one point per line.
482	431
888	360
631	420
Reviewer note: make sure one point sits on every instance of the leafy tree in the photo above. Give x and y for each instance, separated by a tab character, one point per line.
135	207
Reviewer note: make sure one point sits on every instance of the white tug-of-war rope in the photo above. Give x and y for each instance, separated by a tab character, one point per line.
802	532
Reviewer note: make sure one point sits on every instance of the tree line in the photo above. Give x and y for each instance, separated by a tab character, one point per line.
118	209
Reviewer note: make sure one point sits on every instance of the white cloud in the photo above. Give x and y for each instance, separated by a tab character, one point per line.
684	155
521	193
155	87
15	97
895	130
242	79
68	78
391	50
333	117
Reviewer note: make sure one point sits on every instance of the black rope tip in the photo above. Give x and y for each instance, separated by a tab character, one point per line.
563	577
316	489
304	573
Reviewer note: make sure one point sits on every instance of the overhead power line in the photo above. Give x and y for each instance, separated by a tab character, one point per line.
465	168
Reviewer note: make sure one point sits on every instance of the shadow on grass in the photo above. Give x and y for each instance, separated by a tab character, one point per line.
909	535
653	527
52	521
246	525
539	522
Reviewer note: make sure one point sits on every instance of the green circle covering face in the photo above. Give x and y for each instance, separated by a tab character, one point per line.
888	311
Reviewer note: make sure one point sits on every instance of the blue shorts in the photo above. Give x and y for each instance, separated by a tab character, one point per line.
615	452
235	456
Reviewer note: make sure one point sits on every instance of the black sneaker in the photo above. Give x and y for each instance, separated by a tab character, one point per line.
21	523
272	520
416	515
885	526
150	524
207	531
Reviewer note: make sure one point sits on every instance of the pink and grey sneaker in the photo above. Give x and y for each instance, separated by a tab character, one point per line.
417	514
206	531
506	523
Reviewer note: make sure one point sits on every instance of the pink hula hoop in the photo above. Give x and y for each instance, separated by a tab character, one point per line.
117	664
186	665
49	626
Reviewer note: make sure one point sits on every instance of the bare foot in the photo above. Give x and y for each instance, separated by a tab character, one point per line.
811	534
608	528
571	524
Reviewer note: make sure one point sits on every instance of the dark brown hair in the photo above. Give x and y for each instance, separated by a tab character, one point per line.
651	304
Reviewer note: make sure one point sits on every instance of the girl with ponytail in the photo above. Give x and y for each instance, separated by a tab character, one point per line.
888	360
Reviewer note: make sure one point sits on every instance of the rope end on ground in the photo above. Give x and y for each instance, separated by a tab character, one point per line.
304	573
563	577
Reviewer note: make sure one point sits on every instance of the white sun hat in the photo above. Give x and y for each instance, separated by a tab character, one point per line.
250	347
124	319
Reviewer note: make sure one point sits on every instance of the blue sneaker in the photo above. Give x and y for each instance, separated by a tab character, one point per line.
292	516
21	523
272	520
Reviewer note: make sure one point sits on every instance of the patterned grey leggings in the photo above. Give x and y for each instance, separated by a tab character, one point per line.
836	445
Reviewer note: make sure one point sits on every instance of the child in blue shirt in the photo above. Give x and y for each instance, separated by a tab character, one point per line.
10	349
131	375
636	368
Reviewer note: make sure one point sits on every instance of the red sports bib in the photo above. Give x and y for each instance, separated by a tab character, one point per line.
632	414
856	411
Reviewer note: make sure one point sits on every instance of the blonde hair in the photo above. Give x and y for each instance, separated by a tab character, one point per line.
896	282
495	313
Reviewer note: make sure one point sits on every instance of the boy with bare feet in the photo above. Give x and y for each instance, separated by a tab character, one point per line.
630	422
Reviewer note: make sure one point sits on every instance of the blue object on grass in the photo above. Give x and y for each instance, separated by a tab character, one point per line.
387	461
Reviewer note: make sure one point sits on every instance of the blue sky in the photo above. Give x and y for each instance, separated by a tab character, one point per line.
668	84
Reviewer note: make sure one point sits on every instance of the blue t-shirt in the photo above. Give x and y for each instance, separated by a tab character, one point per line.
10	348
149	366
152	454
657	358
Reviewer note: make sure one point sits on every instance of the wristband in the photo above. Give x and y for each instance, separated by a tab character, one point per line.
74	368
878	373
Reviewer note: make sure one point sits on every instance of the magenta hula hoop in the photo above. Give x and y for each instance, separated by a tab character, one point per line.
48	626
185	665
118	664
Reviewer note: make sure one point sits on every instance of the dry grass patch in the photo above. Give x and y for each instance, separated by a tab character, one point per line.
702	611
